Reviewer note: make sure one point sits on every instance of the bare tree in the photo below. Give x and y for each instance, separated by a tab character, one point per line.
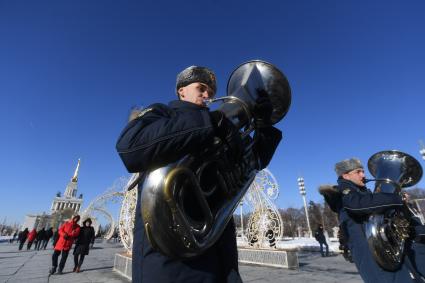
292	218
315	213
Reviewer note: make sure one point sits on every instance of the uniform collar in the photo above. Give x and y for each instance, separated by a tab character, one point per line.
179	104
347	183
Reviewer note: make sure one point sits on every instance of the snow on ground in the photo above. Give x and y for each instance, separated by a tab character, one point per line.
299	244
5	238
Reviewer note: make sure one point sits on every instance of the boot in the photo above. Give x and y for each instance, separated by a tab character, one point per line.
60	271
78	269
52	270
75	268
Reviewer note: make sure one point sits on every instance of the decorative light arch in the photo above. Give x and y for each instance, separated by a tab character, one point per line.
127	215
265	222
113	194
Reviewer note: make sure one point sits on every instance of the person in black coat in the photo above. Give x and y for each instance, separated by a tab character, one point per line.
22	237
82	245
13	237
354	203
47	236
39	239
320	237
161	134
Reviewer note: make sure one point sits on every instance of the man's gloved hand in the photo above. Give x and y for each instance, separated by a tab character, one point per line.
227	132
263	109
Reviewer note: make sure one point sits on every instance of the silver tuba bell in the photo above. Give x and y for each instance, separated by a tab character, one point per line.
186	205
387	233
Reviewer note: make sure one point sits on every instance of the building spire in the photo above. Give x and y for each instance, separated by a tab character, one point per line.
75	177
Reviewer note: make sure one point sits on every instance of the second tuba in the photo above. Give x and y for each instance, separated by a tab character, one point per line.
186	205
387	233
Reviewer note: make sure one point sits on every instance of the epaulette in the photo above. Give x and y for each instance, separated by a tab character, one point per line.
332	196
144	111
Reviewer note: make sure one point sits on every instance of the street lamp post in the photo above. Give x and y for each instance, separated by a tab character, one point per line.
303	193
422	150
241	204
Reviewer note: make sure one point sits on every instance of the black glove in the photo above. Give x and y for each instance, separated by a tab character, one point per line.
263	109
228	133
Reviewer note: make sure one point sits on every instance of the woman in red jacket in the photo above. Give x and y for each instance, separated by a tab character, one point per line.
31	238
68	232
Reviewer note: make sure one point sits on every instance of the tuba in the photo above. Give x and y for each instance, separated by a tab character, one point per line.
387	233
186	205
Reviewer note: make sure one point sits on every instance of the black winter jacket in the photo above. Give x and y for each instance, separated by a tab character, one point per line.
86	236
357	203
163	134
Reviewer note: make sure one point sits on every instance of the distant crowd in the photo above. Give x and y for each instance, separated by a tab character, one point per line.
39	239
68	234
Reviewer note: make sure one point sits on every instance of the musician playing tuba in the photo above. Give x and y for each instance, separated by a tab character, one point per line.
354	203
161	134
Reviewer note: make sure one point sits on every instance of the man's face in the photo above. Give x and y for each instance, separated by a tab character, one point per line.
356	176
196	93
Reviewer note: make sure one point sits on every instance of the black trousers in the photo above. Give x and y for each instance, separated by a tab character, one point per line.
321	248
29	245
44	244
38	244
78	262
55	257
21	244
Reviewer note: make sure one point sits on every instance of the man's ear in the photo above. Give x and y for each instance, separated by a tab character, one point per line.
180	91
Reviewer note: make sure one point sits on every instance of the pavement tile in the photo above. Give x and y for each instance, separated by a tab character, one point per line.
33	266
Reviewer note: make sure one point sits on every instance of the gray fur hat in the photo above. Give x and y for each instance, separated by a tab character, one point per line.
195	74
347	165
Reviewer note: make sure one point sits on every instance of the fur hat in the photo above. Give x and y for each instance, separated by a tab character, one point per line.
347	165
195	74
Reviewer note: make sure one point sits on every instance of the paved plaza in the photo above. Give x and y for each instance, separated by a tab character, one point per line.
32	266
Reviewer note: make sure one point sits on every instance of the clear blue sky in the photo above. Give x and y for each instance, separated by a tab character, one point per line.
71	70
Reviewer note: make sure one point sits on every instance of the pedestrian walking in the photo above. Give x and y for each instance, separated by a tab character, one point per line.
39	239
115	237
320	237
31	238
68	232
13	237
82	245
47	236
22	237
